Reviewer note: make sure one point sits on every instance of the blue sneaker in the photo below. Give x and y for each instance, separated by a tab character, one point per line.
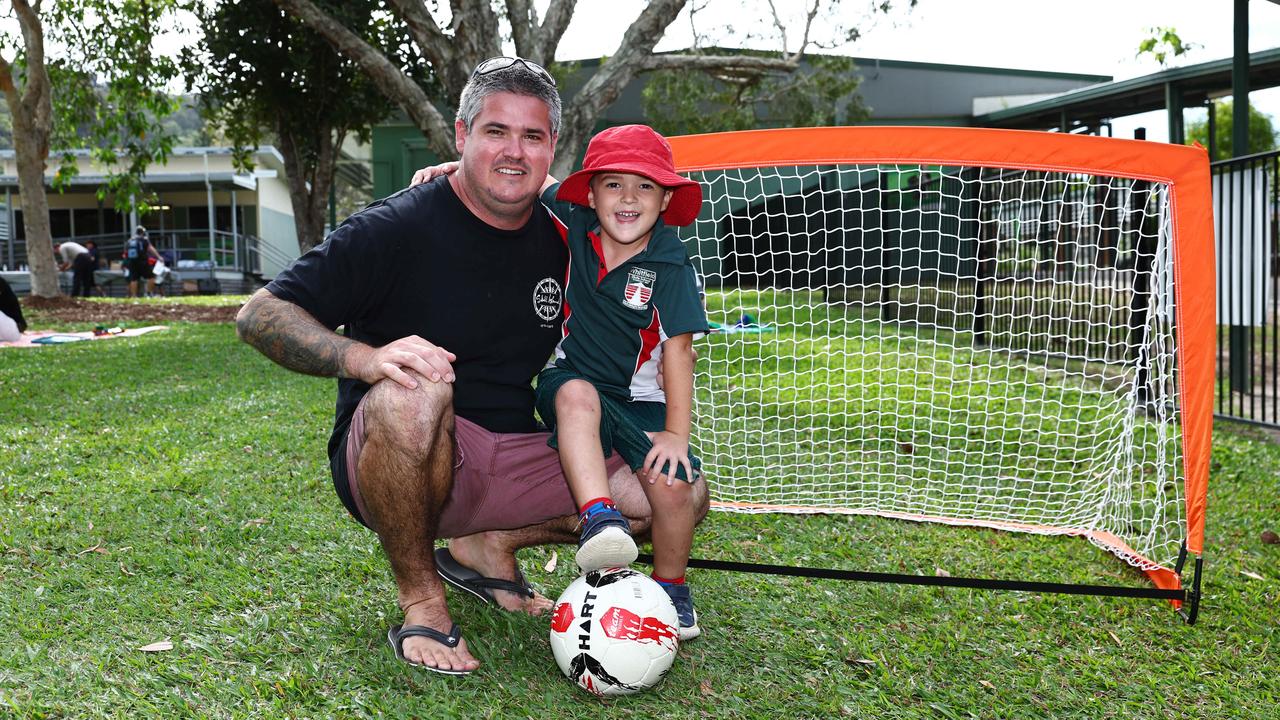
682	597
605	541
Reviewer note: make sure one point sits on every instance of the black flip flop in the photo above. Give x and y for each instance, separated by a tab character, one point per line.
464	578
397	633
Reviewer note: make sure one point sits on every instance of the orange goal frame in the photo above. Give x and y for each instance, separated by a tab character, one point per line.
1185	170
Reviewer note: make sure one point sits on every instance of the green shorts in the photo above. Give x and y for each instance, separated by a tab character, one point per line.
623	422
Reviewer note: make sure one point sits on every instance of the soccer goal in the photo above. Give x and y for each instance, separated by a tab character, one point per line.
975	327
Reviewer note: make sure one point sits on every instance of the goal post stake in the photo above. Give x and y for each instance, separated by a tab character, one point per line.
1148	593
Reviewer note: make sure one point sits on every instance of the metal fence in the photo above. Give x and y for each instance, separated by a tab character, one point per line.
195	255
1245	200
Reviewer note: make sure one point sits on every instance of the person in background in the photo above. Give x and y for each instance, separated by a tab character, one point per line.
80	261
137	253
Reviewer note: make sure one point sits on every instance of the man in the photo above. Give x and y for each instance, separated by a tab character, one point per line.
82	262
451	296
137	253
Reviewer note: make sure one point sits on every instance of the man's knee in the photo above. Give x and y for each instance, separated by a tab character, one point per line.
410	413
700	498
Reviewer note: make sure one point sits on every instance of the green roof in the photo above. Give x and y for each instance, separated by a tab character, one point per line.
1096	103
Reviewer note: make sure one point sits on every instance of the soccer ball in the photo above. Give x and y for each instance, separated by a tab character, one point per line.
614	632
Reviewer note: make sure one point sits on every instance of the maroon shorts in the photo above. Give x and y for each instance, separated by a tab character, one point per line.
501	481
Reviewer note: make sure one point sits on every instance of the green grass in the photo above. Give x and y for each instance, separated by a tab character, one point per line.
174	486
831	409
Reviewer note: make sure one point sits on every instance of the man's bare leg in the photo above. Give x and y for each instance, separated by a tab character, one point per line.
406	472
492	554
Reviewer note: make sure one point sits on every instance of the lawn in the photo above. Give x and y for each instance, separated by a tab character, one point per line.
173	487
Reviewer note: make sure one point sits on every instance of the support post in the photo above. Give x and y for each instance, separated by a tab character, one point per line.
333	202
1240	82
208	188
1239	342
13	232
1213	130
1173	106
235	236
1144	248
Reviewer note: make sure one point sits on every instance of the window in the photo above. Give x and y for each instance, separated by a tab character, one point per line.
59	224
87	221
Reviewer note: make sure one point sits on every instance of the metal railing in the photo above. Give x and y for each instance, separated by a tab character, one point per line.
1246	197
190	250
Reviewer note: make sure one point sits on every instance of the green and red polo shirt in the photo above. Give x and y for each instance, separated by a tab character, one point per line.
615	321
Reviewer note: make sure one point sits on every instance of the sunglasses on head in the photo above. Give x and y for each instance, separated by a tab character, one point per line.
494	64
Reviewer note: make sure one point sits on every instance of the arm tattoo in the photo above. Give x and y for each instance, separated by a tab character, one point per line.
292	338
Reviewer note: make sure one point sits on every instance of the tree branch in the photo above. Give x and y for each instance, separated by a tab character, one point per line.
524	23
534	41
475	38
743	64
433	43
554	23
390	79
37	93
608	82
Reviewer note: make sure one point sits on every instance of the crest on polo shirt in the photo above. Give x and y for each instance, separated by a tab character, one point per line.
547	299
639	288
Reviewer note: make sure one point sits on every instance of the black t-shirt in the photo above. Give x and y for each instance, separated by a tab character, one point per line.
420	263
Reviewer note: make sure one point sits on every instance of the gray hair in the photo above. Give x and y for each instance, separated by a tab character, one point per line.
516	79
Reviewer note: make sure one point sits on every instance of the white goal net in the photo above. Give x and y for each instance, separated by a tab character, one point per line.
960	344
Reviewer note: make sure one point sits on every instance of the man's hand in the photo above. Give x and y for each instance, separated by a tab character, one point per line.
669	452
427	174
371	364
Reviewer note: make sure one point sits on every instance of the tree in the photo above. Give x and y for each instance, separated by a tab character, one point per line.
1262	133
105	90
28	90
285	81
452	42
1164	44
822	92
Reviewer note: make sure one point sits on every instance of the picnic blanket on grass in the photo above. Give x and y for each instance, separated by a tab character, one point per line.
48	337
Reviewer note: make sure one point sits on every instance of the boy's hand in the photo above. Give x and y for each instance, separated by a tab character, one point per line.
668	450
427	174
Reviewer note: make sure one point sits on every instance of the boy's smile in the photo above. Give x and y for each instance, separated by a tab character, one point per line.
628	207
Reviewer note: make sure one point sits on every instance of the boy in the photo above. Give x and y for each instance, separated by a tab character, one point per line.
631	303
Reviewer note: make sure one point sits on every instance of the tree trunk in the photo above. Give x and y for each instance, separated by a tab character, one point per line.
390	79
32	111
35	206
310	180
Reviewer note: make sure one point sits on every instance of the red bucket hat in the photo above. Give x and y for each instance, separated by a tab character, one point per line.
640	150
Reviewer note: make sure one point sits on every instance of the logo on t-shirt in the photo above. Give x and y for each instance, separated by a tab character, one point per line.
639	288
547	299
